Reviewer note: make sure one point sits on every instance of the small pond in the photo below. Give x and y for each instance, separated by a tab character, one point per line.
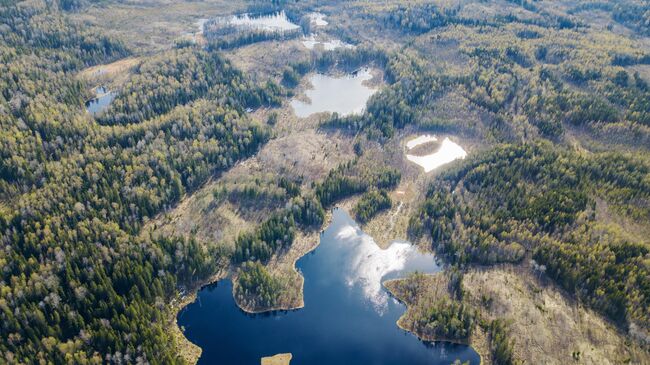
344	95
348	316
275	22
446	153
312	41
101	101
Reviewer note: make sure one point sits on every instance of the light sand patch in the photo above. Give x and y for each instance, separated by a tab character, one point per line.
448	152
420	140
279	359
318	19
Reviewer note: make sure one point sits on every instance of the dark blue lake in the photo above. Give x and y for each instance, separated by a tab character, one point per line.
348	317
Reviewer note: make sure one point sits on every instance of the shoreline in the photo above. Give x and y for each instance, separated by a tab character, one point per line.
192	352
477	345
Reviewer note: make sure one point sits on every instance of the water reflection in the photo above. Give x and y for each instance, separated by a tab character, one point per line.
368	264
344	95
101	101
341	321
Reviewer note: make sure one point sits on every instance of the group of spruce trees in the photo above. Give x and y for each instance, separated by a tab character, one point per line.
80	283
548	208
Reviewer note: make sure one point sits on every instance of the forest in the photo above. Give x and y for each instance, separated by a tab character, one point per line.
371	203
308	211
79	283
548	210
554	109
434	314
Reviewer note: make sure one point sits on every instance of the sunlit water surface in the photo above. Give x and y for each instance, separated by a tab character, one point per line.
348	316
100	102
344	95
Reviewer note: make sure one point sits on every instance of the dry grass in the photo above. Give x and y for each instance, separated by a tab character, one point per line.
429	287
279	359
392	224
154	25
546	324
308	155
267	60
117	71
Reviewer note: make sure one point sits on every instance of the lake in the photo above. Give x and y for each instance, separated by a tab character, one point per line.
101	101
348	317
344	95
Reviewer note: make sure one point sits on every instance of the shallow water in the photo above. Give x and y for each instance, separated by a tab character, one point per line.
420	140
448	152
101	101
318	19
344	95
348	317
311	42
275	22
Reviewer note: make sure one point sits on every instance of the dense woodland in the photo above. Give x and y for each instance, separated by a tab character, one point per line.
182	76
371	203
265	191
255	284
79	283
437	310
529	75
308	211
432	313
501	345
547	210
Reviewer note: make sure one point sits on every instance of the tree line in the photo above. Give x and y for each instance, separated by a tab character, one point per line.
80	282
541	199
371	203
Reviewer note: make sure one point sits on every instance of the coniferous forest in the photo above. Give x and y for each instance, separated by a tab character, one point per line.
79	282
198	169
